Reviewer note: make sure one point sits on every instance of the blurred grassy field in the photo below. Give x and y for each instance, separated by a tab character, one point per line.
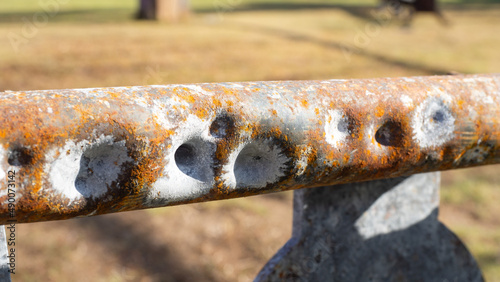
97	43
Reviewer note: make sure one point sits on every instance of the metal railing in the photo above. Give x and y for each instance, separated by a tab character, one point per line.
84	152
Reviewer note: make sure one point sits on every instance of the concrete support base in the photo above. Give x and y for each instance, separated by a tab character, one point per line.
4	260
384	230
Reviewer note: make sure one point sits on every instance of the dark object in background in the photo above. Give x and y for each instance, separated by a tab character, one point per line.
406	9
147	10
163	10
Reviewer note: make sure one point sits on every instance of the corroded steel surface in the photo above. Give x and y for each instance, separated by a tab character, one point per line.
84	152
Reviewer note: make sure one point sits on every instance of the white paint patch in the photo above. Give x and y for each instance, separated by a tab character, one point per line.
73	177
138	89
481	96
274	95
407	79
336	128
228	177
3	154
63	166
160	115
191	175
406	100
311	88
3	170
49	110
255	165
472	113
197	89
371	141
433	123
442	94
141	101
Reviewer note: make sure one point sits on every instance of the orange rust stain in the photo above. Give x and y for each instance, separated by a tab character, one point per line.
274	113
304	103
346	158
190	98
379	111
316	111
330	155
216	102
201	112
360	135
113	94
312	156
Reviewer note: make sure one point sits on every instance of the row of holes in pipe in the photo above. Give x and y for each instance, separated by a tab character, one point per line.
256	163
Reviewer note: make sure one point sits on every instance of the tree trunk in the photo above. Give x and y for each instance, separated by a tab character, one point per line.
147	10
163	10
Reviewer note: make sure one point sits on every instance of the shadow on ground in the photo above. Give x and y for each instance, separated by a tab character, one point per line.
226	6
132	243
347	50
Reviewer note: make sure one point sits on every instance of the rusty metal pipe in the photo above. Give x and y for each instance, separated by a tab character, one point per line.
82	152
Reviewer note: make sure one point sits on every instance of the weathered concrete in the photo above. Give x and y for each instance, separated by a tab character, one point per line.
384	230
4	267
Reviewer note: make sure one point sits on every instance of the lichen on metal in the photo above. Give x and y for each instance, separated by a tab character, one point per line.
82	152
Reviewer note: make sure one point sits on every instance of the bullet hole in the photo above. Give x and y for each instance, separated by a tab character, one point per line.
343	126
438	116
260	163
194	159
100	167
20	157
433	123
222	126
339	127
390	134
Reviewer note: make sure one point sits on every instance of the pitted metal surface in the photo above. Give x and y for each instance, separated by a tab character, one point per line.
82	152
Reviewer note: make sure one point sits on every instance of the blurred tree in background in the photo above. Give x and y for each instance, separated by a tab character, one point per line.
163	10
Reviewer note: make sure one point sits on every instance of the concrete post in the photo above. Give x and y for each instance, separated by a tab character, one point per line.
382	230
163	10
4	260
